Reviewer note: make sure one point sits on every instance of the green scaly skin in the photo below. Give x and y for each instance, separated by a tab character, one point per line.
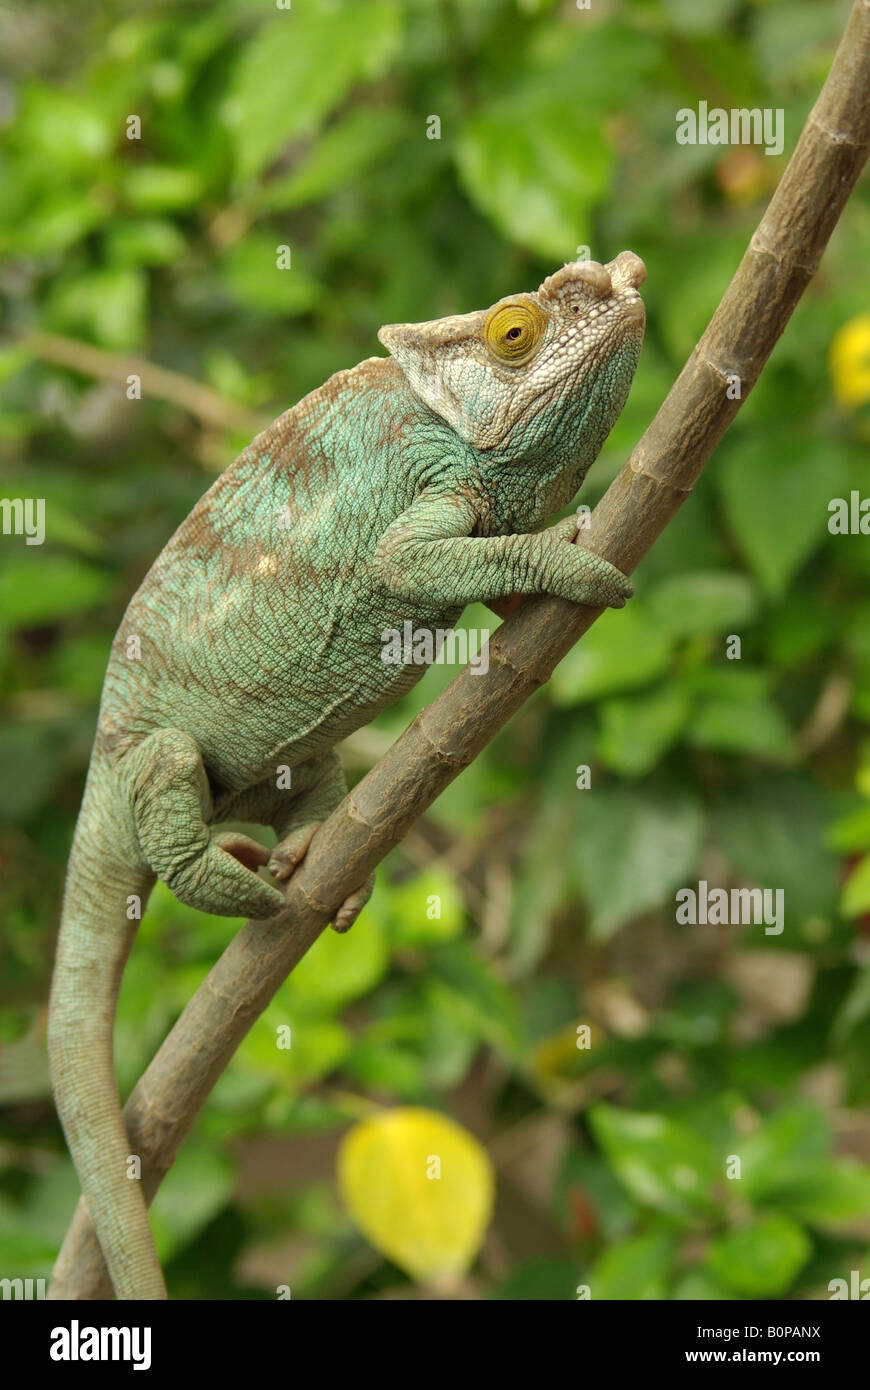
401	490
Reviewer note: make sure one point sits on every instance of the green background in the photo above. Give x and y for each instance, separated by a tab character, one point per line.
307	128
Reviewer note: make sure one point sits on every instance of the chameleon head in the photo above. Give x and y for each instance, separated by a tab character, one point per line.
557	360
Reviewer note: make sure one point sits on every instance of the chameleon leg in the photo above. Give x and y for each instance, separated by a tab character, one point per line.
429	553
171	801
295	814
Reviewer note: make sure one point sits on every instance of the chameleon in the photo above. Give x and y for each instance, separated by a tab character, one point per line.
402	489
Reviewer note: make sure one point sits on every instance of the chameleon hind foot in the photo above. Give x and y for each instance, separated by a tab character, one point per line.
288	855
353	906
172	804
222	879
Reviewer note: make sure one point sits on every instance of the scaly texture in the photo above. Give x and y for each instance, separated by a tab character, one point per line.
399	491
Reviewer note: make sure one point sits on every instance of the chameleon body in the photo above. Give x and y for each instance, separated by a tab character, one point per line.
402	489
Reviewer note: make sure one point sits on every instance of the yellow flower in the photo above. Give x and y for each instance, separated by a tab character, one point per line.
850	362
420	1188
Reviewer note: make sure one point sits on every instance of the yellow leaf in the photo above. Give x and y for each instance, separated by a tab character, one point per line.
420	1188
850	361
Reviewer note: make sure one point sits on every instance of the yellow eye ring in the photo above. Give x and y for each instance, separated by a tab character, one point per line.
512	332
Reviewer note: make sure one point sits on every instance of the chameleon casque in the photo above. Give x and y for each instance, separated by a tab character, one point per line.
402	489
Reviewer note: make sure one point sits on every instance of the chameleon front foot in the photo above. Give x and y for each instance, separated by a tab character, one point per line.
572	572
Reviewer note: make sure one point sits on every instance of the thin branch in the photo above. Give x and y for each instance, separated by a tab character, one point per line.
193	396
781	258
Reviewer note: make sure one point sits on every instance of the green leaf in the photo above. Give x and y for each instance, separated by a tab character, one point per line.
106	305
795	41
382	1067
772	831
763	1258
829	1195
341	156
854	1008
48	1201
600	68
692	285
24	1254
781	1149
775	489
429	1015
546	1279
855	898
161	187
199	1185
463	983
685	17
410	904
338	968
702	603
316	1045
851	832
543	878
621	651
62	130
61	219
755	727
29	769
293	71
731	683
537	168
697	1285
634	848
40	589
633	1269
637	731
663	1164
153	242
251	274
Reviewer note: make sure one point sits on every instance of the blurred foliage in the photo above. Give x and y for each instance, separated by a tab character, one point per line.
311	128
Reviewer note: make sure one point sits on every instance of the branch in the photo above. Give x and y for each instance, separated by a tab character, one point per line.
781	258
184	391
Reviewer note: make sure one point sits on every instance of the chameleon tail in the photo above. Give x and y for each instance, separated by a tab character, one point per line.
94	942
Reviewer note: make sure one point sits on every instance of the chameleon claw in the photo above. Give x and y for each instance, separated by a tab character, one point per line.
352	907
287	856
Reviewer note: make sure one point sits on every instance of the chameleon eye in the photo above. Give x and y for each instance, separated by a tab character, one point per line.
512	332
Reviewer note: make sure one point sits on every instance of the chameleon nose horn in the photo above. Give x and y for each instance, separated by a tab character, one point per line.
628	268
